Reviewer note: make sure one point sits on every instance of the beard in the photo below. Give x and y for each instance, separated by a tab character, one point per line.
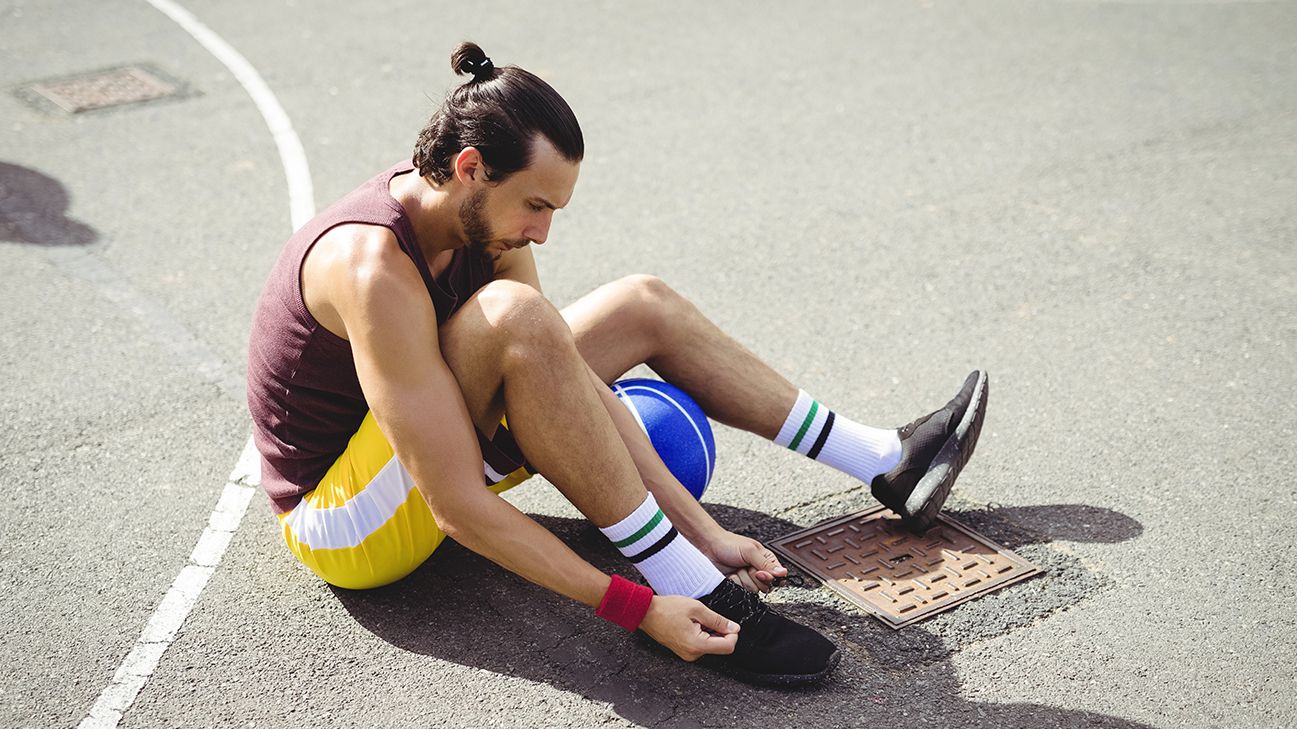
473	218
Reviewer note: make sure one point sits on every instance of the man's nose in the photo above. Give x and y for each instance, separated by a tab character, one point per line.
539	231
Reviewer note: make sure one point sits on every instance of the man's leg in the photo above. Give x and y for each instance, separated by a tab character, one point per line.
512	353
510	350
639	319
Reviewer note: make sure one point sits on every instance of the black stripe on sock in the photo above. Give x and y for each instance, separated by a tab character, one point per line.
658	546
824	435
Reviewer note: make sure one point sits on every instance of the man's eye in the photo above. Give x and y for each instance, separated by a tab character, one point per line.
536	206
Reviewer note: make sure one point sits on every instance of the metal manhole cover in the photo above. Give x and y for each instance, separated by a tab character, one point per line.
112	87
898	576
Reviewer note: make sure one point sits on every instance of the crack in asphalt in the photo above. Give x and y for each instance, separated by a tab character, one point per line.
817	500
576	633
675	708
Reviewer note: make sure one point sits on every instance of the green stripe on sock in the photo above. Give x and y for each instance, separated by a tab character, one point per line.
643	530
806	424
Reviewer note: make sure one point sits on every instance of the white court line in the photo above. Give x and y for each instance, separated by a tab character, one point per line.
179	600
301	196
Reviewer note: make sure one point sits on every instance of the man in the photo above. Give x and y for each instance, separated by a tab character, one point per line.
402	353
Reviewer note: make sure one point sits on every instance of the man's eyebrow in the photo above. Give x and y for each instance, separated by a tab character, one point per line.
545	202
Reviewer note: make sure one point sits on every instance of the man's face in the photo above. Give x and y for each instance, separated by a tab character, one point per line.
499	218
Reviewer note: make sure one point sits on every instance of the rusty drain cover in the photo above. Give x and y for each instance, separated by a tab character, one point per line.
111	87
898	576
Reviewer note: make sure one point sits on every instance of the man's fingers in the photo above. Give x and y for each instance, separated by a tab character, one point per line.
752	580
720	644
763	559
714	621
748	580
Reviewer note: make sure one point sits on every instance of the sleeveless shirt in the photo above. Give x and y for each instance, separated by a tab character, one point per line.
303	393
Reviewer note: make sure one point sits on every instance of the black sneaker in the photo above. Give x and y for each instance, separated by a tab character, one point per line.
934	449
772	650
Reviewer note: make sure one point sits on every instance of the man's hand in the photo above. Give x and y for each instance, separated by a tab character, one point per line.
745	560
688	628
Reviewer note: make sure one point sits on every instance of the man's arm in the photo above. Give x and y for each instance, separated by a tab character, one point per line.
418	405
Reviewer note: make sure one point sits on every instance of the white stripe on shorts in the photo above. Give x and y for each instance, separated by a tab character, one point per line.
493	476
342	527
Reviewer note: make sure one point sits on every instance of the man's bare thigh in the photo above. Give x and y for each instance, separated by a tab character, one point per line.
606	324
602	324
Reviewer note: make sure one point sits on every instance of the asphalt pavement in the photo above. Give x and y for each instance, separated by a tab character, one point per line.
1093	201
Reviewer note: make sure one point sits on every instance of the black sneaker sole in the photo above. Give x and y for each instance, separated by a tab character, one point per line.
929	495
788	680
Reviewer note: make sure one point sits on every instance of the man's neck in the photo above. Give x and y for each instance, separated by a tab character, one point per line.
432	213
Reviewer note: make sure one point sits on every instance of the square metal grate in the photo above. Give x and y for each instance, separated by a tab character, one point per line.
111	87
896	575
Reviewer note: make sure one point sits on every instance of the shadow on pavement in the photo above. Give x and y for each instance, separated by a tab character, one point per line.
459	607
1016	526
32	210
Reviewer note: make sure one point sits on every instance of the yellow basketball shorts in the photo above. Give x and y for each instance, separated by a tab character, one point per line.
365	524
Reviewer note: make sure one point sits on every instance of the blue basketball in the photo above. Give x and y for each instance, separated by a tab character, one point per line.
676	426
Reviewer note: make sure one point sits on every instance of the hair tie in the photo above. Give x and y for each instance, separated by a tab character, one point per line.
483	68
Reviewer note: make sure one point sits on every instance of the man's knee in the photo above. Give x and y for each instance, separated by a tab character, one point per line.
647	289
520	316
647	303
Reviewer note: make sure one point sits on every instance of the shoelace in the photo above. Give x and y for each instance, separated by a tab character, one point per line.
736	598
752	607
789	581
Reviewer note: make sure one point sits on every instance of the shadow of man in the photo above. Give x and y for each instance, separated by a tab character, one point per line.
33	209
460	608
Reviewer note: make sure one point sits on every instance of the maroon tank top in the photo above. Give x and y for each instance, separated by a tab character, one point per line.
303	393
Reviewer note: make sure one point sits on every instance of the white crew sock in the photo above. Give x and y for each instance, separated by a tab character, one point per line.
667	560
818	433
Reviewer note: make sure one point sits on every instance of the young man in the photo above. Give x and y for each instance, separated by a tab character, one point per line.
402	353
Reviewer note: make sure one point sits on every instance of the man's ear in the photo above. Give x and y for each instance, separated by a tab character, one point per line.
469	169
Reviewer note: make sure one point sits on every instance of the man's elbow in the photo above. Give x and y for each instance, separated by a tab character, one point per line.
447	519
453	515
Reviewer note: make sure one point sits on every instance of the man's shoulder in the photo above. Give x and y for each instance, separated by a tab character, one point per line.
359	248
355	236
367	260
361	262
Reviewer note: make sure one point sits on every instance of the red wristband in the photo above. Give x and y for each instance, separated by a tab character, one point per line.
625	603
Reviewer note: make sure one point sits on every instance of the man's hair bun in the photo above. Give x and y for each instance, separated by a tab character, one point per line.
470	58
499	113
